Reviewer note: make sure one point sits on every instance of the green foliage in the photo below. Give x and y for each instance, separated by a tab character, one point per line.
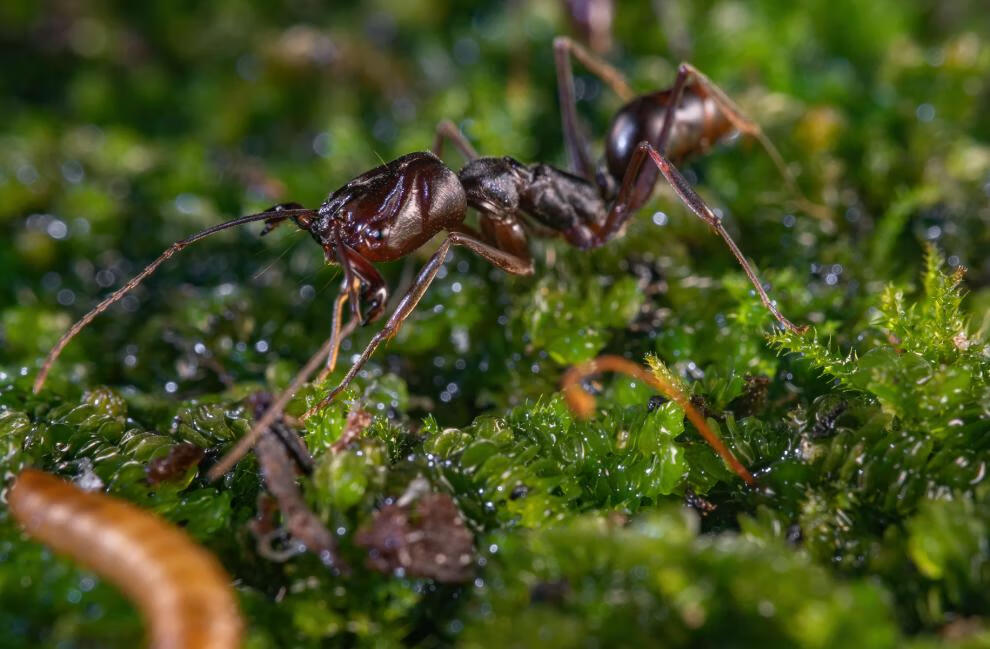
948	542
539	464
630	586
922	365
571	320
126	128
914	429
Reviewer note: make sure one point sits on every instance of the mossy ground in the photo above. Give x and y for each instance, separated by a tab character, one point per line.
124	127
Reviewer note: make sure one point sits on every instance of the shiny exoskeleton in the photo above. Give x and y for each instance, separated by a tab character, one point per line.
396	208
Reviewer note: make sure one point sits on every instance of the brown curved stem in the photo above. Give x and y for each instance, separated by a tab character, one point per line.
583	404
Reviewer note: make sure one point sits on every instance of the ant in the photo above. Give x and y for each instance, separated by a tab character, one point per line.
396	208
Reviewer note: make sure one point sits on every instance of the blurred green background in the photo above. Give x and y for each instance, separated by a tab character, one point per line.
127	126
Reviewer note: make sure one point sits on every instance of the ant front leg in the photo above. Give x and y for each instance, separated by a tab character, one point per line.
576	142
620	213
686	74
508	260
362	285
359	273
406	306
337	333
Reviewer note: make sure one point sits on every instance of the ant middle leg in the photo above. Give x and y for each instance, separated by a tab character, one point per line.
574	140
448	130
337	333
507	260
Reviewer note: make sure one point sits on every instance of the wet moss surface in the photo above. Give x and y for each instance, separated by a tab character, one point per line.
126	127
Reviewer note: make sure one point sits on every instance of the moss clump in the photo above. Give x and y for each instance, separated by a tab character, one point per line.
656	580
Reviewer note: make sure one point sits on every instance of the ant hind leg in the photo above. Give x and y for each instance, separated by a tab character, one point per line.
747	126
694	202
575	141
621	211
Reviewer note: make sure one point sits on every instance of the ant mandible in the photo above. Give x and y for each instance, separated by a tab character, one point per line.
394	209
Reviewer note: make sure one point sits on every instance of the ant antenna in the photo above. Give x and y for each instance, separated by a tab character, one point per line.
582	403
271	216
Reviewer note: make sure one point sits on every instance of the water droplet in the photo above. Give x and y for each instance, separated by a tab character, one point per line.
925	112
65	297
323	144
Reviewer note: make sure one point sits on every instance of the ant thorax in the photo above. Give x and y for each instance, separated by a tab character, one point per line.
385	213
565	203
494	185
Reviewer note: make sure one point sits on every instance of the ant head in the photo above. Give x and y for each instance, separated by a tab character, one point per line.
492	185
317	223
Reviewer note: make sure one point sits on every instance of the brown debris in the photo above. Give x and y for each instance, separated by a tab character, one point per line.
279	471
174	465
263	523
826	420
699	503
753	399
358	420
260	402
425	539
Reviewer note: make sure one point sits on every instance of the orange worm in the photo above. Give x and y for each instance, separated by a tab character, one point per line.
583	404
180	588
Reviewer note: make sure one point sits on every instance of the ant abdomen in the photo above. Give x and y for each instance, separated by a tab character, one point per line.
698	124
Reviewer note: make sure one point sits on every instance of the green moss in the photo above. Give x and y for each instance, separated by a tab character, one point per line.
596	583
123	130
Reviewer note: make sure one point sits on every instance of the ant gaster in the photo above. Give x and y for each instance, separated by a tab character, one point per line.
392	210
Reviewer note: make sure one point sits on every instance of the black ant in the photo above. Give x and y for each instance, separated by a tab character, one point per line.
393	210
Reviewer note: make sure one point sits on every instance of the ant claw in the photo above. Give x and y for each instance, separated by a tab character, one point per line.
376	304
